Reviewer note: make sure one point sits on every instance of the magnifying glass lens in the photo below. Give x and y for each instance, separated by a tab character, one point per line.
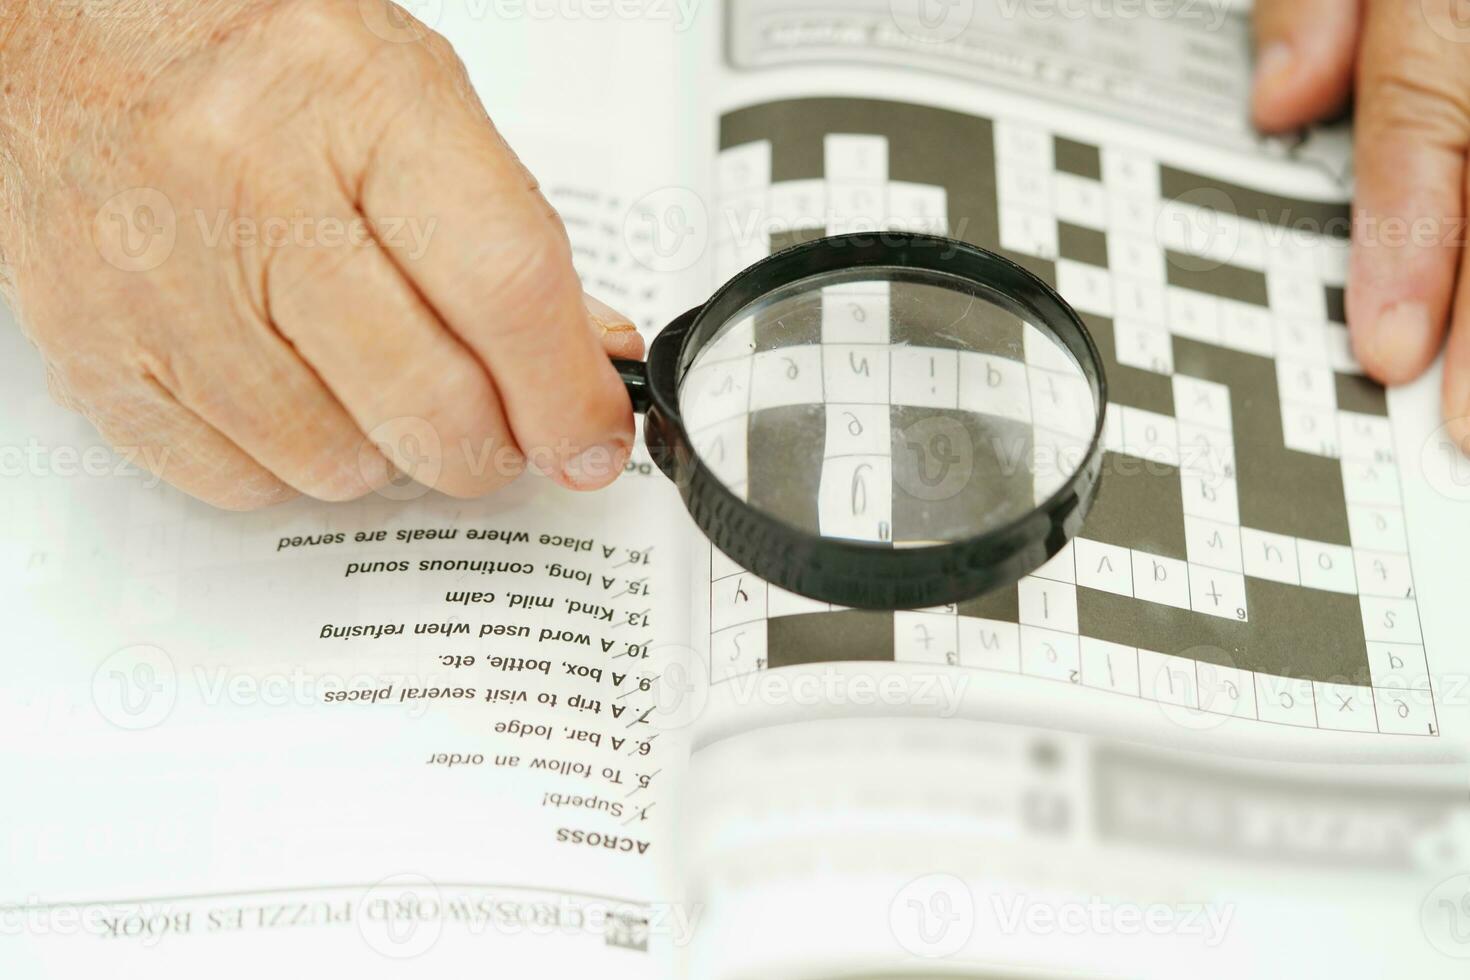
893	406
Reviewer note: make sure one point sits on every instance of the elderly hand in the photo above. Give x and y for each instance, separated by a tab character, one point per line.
1408	63
280	247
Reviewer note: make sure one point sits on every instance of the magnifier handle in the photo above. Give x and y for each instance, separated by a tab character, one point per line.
635	379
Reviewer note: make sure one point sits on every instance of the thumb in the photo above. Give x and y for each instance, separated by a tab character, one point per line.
1410	134
1304	60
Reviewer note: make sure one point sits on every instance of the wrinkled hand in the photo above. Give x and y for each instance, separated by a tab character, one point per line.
280	247
1407	63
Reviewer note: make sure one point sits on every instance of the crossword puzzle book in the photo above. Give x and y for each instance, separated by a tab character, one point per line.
1223	732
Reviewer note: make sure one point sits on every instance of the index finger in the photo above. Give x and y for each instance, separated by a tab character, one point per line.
493	261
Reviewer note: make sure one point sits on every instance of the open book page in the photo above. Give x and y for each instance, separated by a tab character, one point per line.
1224	733
1271	565
377	729
404	732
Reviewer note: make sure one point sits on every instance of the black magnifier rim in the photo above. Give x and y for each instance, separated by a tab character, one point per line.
860	574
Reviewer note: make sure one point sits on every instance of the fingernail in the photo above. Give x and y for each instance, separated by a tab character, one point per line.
618	335
607	319
596	467
1393	346
1273	62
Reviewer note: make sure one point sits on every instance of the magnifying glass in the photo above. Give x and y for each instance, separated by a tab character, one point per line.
882	421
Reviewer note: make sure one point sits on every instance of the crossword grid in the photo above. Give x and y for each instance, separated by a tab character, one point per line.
1202	313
